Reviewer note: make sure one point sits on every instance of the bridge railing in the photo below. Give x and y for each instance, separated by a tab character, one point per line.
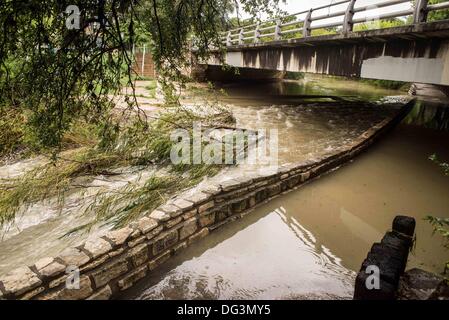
344	14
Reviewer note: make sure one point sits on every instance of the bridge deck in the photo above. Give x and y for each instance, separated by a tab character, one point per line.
414	53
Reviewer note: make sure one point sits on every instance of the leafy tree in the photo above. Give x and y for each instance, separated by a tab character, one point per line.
59	75
440	14
58	86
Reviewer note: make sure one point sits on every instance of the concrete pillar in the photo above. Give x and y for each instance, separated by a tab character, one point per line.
420	15
257	34
347	24
229	39
307	23
241	36
277	30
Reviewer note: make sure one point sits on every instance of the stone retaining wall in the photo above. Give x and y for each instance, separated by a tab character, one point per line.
118	260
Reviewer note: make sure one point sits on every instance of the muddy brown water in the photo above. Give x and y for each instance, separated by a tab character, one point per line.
307	244
310	243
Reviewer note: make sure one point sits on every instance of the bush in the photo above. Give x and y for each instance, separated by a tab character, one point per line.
441	225
12	132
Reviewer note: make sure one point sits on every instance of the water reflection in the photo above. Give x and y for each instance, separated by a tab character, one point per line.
311	85
429	115
275	258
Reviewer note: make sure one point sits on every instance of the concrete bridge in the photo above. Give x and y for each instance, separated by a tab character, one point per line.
417	51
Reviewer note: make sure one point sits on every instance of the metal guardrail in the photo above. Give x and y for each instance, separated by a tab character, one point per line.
276	29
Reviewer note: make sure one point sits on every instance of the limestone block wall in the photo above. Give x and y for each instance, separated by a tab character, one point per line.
118	260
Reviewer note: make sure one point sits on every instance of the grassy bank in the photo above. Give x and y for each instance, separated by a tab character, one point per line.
388	84
17	140
152	87
384	84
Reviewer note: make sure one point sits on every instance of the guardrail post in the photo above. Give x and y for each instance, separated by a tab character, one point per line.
257	33
420	15
277	30
307	24
229	39
241	36
143	60
347	24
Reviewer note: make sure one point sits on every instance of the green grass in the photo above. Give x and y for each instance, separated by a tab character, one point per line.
152	87
123	207
294	75
12	132
16	139
388	84
441	225
125	80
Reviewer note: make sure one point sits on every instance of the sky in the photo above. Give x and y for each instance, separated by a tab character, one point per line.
301	5
294	6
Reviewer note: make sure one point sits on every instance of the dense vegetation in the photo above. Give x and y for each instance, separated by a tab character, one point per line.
59	74
441	225
58	87
137	146
440	14
388	84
